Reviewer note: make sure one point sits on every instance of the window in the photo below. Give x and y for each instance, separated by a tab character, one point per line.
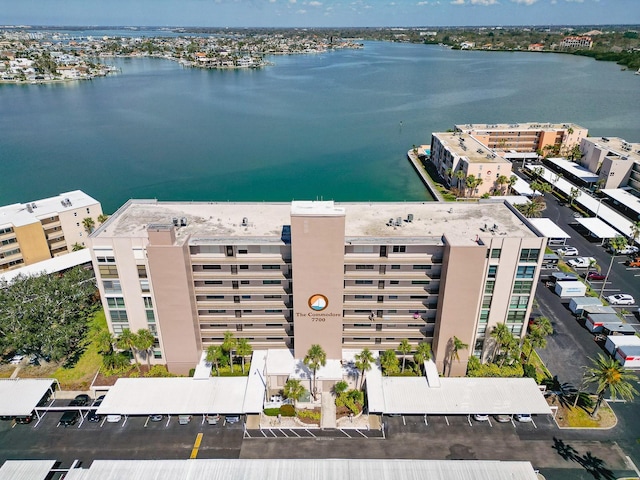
112	286
213	282
516	316
422	267
245	282
271	282
529	254
271	267
211	267
484	316
495	252
244	267
267	297
142	271
104	259
150	316
273	311
399	248
522	286
493	271
115	302
364	267
363	297
395	267
364	282
525	272
394	282
144	286
420	282
489	286
148	303
214	297
486	301
519	302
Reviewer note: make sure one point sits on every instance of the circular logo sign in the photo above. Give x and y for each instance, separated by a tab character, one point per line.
318	302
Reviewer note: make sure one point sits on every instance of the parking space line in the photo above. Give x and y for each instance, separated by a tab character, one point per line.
263	434
345	433
196	446
146	422
282	432
534	423
307	430
361	433
294	432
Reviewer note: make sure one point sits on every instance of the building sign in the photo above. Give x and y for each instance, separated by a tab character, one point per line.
318	302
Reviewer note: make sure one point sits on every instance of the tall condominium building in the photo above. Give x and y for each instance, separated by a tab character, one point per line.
343	276
616	161
42	229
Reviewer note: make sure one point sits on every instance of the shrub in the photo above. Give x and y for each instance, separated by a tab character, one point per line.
158	371
530	371
310	414
287	410
272	412
192	372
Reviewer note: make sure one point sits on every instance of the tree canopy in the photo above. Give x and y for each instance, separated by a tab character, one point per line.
47	315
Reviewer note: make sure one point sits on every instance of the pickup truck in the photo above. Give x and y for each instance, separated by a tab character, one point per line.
581	262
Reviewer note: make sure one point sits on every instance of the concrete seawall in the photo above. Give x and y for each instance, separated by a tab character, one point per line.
424	176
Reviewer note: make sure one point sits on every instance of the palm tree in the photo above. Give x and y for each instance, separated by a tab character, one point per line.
512	181
340	387
228	344
502	180
316	357
456	346
537	335
389	362
77	247
635	232
573	194
363	361
243	349
460	177
501	335
102	218
127	341
144	343
214	356
616	243
608	374
294	390
105	341
404	348
533	208
422	354
89	224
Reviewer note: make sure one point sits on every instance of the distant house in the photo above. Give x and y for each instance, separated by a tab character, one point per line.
536	47
576	42
467	45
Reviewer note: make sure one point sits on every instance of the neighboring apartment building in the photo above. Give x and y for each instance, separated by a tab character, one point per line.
576	42
457	156
345	276
42	229
616	161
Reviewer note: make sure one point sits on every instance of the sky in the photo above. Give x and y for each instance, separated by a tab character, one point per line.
318	13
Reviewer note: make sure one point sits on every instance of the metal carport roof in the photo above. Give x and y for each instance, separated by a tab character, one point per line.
597	227
19	396
548	228
175	396
309	469
26	469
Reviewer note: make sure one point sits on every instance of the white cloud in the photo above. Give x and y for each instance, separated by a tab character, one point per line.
301	11
576	1
422	3
484	2
315	3
524	2
457	2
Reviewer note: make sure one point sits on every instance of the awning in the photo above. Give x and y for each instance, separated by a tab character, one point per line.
597	227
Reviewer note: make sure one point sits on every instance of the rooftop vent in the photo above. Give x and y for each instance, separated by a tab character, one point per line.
245	221
29	209
398	221
68	202
176	222
390	222
410	218
183	222
33	205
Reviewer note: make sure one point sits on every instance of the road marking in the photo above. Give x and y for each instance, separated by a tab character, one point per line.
196	446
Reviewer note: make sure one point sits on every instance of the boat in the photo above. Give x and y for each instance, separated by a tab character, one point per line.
637	72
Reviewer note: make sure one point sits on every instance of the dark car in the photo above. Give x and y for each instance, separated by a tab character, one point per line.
26	419
595	276
69	418
93	417
80	401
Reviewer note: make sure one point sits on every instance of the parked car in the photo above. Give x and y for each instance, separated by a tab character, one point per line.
27	419
184	419
502	418
232	419
93	417
626	250
69	418
481	417
80	401
98	401
568	251
633	263
593	275
620	299
155	417
524	417
581	262
114	418
16	359
213	419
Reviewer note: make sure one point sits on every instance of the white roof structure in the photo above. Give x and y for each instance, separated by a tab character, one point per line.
597	227
175	396
19	396
454	396
26	469
203	368
256	383
316	469
548	228
575	169
52	265
622	196
522	187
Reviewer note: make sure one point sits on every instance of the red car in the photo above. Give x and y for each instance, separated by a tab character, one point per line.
595	276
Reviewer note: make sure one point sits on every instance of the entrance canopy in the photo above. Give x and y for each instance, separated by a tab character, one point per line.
20	396
175	396
597	227
547	228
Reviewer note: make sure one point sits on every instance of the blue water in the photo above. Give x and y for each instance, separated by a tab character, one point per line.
332	126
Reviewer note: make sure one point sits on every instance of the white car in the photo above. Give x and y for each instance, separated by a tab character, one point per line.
523	417
568	251
16	359
621	299
114	418
626	250
481	417
581	262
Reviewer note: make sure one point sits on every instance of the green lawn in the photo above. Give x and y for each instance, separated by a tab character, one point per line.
79	376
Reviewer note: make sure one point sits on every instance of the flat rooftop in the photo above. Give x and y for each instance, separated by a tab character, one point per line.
618	147
514	127
365	222
466	146
20	214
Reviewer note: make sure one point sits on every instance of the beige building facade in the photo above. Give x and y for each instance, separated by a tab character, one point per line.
345	276
616	161
35	231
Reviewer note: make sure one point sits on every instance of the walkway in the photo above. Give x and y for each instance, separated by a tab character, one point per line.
328	419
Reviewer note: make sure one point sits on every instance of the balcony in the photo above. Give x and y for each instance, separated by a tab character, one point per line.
241	275
255	259
243	290
243	304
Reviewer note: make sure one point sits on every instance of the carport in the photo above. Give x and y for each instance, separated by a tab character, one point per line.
26	469
548	228
19	397
574	171
597	228
432	395
176	396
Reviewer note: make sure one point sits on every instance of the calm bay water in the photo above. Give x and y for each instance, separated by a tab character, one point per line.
333	126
